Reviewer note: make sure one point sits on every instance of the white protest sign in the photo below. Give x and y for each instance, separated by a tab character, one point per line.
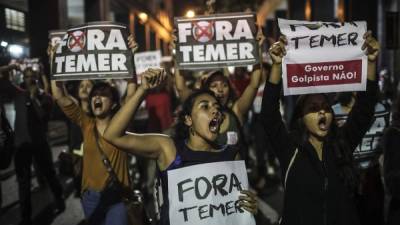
33	63
97	50
146	60
216	41
323	57
208	194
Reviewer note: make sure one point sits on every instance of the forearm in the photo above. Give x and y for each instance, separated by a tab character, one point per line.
276	71
180	84
122	118
371	71
130	90
59	95
45	84
361	115
7	68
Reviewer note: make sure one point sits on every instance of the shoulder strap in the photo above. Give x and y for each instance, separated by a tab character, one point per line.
104	157
290	165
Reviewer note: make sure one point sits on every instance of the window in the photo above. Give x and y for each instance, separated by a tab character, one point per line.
15	20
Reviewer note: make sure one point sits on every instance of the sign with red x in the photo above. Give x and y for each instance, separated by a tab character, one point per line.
215	41
97	50
76	40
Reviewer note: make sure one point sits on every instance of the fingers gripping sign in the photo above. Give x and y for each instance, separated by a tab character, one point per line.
371	46
322	57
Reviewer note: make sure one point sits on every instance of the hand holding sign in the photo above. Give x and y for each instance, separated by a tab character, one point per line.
248	201
132	44
371	46
323	56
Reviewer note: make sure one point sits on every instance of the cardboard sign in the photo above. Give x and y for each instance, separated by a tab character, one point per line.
56	36
33	63
146	60
323	57
97	50
208	194
216	41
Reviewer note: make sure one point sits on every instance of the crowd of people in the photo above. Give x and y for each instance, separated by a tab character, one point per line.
337	163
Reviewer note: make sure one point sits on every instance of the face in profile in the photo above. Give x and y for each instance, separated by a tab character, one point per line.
206	117
101	102
317	115
85	86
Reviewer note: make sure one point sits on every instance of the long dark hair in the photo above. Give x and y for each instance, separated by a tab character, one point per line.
181	129
220	75
103	86
396	113
334	140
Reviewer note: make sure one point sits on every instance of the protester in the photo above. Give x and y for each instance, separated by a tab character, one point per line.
75	138
100	204
316	156
32	108
370	192
234	109
6	144
196	132
391	143
266	166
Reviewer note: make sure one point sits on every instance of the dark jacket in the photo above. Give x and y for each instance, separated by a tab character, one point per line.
31	115
314	192
7	142
391	143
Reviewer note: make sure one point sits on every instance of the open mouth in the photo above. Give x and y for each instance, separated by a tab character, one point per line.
219	97
216	122
322	123
97	104
214	125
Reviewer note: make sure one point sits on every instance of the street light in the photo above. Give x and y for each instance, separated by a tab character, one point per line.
4	44
15	50
190	13
143	17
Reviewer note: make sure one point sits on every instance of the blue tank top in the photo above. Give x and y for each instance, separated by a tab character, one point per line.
187	157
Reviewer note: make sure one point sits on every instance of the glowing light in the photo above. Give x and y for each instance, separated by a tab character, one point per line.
15	50
190	14
143	17
4	44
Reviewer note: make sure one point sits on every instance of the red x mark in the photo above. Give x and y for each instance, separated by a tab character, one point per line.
77	40
204	30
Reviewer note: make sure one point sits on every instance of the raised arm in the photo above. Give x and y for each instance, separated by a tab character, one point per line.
6	87
45	81
361	115
131	82
180	82
271	117
57	87
245	101
147	145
